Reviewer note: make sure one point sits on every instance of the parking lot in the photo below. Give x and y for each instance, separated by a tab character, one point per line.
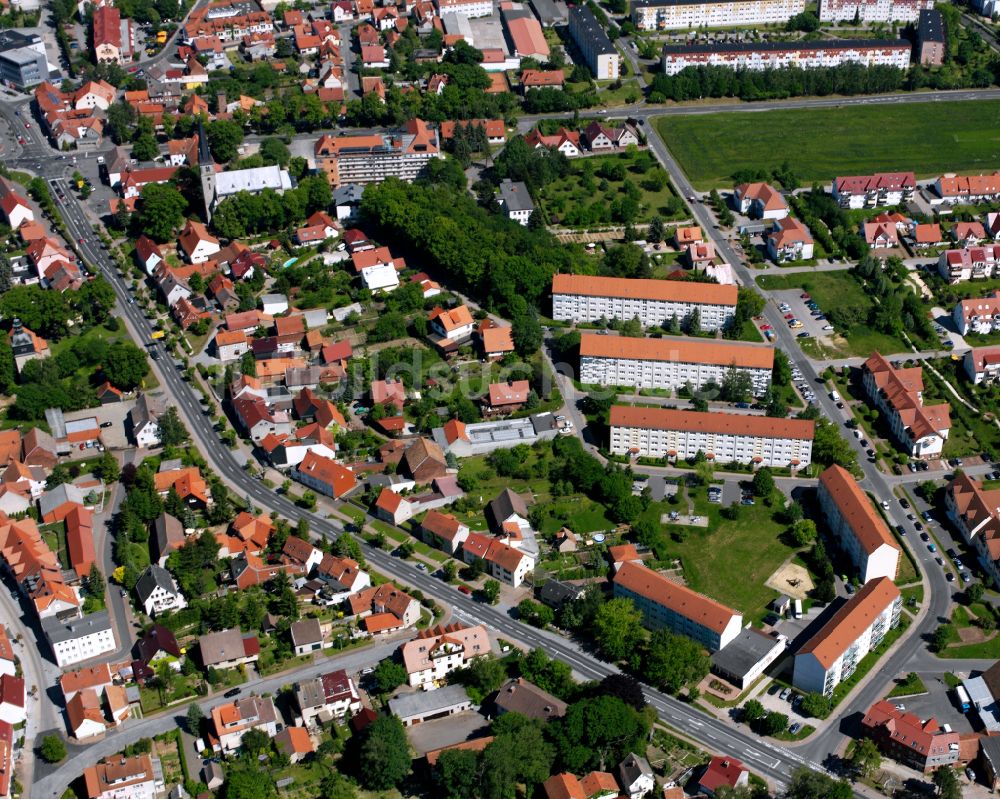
792	299
937	703
439	733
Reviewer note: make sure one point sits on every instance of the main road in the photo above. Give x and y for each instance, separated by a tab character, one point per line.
773	762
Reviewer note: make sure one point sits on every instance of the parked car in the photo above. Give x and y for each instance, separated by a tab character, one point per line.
233	692
904	503
785	693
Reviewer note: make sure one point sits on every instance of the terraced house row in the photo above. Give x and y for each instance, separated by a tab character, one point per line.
670	362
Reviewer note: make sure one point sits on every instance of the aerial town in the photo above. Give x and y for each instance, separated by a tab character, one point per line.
499	399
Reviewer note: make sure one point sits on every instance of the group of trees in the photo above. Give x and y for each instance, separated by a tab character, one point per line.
487	256
897	308
267	211
694	83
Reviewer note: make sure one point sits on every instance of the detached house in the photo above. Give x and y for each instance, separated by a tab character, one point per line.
789	240
391	507
504	562
196	244
444	531
324	475
759	201
231	722
322	699
158	592
437	652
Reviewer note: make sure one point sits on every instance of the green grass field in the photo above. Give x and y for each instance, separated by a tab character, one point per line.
821	144
731	559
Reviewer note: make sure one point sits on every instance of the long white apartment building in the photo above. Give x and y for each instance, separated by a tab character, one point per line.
759	56
978	314
600	54
670	362
722	437
872	191
857	526
651	15
666	604
872	10
586	298
832	655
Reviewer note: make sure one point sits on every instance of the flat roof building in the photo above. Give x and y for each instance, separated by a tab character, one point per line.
744	658
593	43
651	15
721	437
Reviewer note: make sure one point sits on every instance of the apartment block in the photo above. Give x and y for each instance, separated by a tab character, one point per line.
968	263
978	315
670	362
79	639
968	188
591	39
721	437
759	56
982	364
832	655
367	159
670	605
872	10
437	652
976	513
872	191
918	743
651	15
586	298
857	525
920	429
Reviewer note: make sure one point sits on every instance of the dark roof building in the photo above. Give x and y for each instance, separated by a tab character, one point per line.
521	696
930	37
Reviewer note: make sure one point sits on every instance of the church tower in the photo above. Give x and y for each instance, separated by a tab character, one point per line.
206	164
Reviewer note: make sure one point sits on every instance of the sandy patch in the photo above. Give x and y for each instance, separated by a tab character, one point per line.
792	580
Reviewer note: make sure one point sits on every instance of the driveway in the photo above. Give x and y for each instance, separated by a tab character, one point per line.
447	731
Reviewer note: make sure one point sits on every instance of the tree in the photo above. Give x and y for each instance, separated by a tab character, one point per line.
485	674
519	754
336	786
172	430
95	581
624	687
864	756
194	717
617	628
941	638
597	731
673	662
255	742
947	783
817	705
144	148
773	723
803	532
808	784
491	591
974	593
52	749
763	483
752	711
275	151
245	781
535	613
655	233
224	139
126	365
385	754
107	468
161	210
389	675
58	476
456	774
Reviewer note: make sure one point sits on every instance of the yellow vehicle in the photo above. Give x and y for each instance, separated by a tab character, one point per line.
161	37
158	334
795	325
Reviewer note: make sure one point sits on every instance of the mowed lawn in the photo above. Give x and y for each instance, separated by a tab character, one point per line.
731	559
820	144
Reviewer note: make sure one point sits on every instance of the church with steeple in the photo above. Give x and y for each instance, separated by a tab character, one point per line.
216	185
